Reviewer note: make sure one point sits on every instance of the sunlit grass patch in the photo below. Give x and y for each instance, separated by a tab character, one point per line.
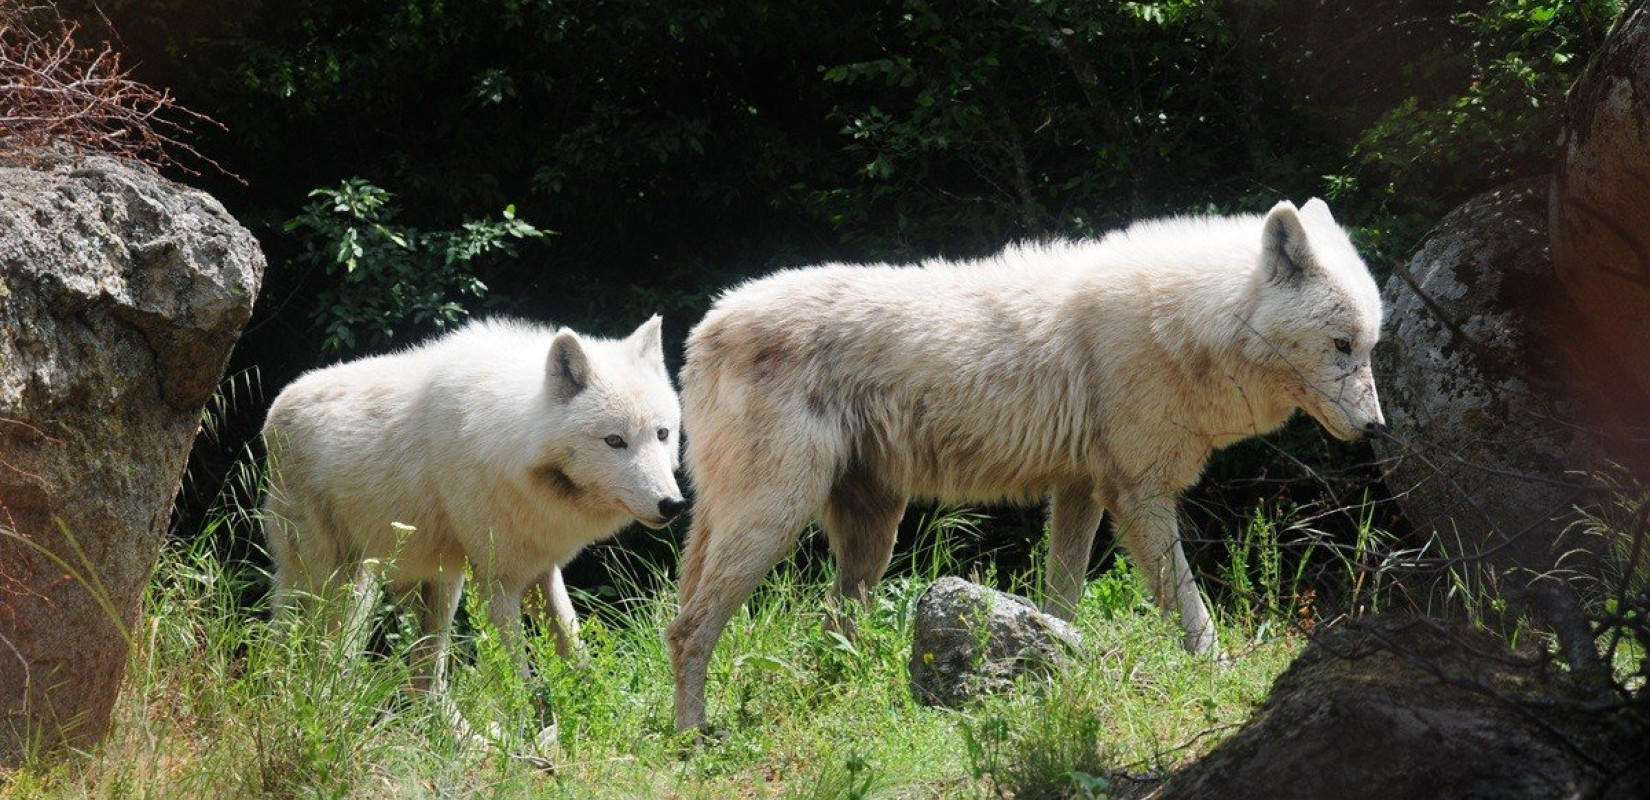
222	702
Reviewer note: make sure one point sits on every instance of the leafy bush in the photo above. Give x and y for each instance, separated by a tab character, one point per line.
1420	158
386	279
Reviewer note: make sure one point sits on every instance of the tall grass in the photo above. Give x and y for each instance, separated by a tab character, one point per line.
223	702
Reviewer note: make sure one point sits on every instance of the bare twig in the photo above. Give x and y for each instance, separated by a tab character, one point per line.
56	92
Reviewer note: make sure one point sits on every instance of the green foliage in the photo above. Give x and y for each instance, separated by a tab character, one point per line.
680	147
987	121
850	778
1267	576
1050	751
387	278
1118	591
1523	56
1500	123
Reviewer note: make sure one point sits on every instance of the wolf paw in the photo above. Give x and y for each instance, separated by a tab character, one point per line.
701	738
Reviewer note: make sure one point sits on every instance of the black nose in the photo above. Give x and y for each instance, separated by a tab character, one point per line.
671	506
1376	428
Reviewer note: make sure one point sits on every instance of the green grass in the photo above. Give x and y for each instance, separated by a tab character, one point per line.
222	704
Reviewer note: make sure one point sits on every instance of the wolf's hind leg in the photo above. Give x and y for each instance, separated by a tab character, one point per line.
357	600
306	554
731	548
861	520
318	581
1074	517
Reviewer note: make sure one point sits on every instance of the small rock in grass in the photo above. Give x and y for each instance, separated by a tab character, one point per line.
970	640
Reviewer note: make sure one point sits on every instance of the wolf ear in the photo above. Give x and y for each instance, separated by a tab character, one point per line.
1284	254
567	370
1318	210
647	341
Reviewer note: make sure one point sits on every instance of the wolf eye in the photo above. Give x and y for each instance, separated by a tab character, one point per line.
616	442
1344	345
664	434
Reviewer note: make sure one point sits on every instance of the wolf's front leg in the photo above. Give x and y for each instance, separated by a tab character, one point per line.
561	615
1150	530
504	611
436	601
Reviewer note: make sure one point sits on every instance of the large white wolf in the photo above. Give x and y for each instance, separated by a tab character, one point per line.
1098	374
508	445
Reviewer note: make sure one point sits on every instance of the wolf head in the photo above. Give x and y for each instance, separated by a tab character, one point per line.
620	423
1316	317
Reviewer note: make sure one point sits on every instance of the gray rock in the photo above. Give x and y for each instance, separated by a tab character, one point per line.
121	294
970	640
1382	708
1486	444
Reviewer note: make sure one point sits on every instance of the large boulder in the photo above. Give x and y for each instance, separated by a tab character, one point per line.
121	294
1601	232
970	640
1485	447
1412	708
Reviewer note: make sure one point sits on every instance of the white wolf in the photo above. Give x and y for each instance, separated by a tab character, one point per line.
508	445
1099	374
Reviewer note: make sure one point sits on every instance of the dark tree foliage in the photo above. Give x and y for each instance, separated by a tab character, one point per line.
676	147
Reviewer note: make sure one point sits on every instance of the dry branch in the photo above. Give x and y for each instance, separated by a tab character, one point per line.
55	92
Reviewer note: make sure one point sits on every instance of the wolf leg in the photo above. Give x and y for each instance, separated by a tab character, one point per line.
861	520
1074	518
731	547
561	615
437	603
504	612
1150	531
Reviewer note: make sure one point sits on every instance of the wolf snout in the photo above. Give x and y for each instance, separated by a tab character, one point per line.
1376	429
671	507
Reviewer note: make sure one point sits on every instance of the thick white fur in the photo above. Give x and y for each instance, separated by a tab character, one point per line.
1100	374
489	442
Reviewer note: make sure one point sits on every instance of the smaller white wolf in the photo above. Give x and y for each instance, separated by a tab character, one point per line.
503	444
1100	375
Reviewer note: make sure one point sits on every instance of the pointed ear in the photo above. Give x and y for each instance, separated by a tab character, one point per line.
1284	254
567	370
648	342
1318	210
